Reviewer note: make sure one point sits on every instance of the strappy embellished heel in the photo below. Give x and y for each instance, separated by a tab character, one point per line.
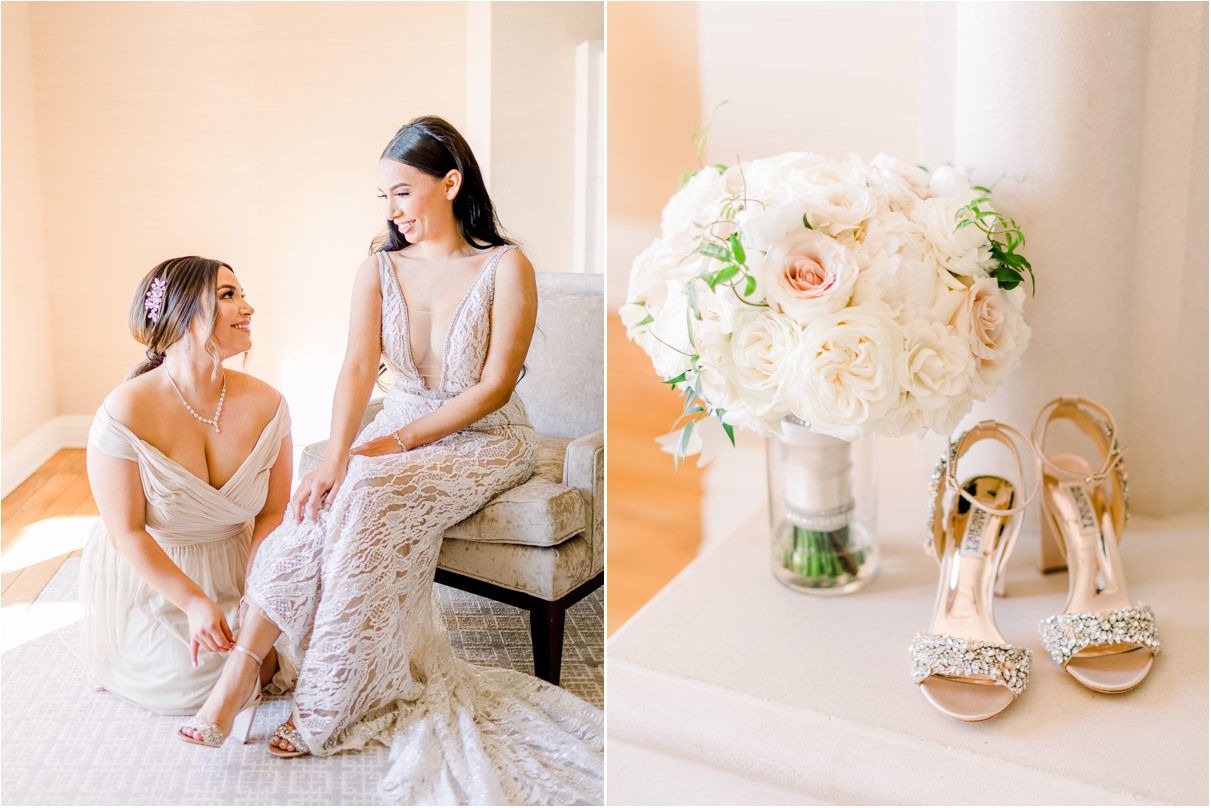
240	727
965	668
286	732
1101	639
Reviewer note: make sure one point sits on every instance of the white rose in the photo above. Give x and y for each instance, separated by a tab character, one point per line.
903	183
935	364
760	347
965	251
843	372
696	204
667	338
808	274
995	332
665	259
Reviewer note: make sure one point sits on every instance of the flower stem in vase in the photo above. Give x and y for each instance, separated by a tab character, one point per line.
818	544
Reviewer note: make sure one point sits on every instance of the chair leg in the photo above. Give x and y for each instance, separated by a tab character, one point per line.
546	629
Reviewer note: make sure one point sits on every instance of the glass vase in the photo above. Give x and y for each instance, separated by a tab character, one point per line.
822	510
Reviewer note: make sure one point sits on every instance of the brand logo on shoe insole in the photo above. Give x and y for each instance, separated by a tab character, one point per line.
1084	508
977	520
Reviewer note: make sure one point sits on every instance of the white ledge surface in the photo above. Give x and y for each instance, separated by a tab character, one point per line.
729	688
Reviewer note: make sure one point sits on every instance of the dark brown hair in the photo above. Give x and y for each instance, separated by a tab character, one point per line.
189	290
432	145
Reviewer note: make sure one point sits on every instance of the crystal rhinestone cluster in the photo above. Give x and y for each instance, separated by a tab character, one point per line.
944	655
154	300
946	463
211	734
1065	635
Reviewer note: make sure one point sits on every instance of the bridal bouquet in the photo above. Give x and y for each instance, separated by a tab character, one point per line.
860	298
822	301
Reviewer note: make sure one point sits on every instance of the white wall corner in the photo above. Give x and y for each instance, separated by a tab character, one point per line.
21	461
588	216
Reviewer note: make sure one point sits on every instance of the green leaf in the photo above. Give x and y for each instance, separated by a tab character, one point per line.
731	433
737	247
750	285
683	442
675	380
646	320
982	189
727	273
714	251
806	223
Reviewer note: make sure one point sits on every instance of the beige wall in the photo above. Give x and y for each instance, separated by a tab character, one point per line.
29	380
532	76
247	132
653	104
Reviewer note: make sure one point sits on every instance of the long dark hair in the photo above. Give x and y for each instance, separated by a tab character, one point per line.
188	289
432	145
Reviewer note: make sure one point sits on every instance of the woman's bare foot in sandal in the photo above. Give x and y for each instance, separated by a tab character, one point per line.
231	704
287	742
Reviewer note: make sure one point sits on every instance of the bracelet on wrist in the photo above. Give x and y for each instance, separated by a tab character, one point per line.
399	442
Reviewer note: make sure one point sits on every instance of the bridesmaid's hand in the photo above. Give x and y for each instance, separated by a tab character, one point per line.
207	628
317	488
378	446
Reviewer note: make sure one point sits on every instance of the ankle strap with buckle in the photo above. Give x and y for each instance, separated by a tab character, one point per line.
943	478
1098	425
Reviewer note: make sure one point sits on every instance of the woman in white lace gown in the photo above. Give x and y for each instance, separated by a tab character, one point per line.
184	501
347	580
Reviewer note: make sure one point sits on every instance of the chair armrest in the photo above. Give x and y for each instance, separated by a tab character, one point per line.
584	468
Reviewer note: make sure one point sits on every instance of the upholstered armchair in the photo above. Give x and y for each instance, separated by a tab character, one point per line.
541	546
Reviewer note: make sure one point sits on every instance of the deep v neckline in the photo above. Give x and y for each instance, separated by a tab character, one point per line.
458	309
217	489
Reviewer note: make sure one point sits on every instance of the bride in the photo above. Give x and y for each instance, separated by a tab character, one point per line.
184	500
344	586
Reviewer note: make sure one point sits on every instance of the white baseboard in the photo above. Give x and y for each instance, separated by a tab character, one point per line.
21	461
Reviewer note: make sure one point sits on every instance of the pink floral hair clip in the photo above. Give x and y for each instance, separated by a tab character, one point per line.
155	299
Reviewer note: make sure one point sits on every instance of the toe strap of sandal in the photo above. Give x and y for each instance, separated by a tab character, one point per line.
944	655
211	734
1065	635
286	732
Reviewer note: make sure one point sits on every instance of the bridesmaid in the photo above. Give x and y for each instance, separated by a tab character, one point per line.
190	465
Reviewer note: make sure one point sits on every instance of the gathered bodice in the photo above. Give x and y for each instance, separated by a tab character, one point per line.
465	347
182	508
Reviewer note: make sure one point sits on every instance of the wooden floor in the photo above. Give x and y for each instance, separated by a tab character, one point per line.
653	518
43	522
653	523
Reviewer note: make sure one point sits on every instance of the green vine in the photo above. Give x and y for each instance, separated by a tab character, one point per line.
1004	240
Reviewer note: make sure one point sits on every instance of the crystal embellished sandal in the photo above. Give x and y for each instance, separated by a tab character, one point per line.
964	667
286	732
240	727
1101	640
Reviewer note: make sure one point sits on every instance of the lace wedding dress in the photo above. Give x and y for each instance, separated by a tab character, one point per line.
353	595
134	642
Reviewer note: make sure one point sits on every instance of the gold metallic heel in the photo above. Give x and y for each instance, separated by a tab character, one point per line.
964	666
1101	639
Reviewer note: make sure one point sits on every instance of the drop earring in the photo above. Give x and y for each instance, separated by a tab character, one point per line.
188	344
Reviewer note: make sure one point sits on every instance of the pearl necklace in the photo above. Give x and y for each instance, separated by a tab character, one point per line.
211	421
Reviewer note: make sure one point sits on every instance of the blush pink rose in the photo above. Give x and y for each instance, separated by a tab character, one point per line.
808	274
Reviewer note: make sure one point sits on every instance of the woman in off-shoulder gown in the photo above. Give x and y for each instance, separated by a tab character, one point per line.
184	499
347	580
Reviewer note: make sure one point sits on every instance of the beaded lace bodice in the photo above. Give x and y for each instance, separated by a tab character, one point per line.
465	348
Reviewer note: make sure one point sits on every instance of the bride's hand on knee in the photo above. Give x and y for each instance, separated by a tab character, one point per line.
316	490
207	628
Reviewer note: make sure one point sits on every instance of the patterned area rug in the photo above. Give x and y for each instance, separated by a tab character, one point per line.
64	744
